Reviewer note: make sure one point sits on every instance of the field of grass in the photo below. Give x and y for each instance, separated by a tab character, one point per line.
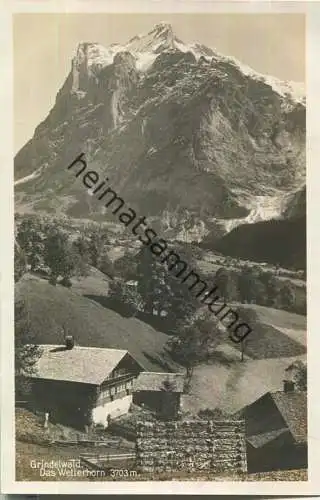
96	283
232	386
49	309
293	325
275	333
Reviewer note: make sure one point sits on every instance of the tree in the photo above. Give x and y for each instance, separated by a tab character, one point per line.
226	282
82	246
126	266
298	373
251	288
96	246
287	295
163	294
244	284
272	289
60	256
128	295
30	238
20	264
106	265
26	351
197	341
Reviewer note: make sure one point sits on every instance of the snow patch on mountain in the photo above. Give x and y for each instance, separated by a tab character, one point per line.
29	177
146	48
261	208
295	90
96	54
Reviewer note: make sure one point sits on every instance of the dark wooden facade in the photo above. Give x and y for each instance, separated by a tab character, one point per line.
282	453
276	432
165	404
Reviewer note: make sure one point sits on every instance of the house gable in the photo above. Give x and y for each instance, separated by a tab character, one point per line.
263	416
85	365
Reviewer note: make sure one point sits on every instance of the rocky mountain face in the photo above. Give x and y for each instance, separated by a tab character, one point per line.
183	134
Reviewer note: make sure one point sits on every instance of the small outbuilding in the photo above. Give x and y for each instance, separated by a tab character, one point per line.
159	392
276	431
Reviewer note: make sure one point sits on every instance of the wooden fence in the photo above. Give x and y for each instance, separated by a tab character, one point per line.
105	461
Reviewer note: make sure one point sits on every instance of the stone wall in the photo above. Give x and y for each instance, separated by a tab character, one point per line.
191	445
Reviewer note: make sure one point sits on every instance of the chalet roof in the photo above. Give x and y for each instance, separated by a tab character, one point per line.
264	438
152	381
293	408
87	365
275	413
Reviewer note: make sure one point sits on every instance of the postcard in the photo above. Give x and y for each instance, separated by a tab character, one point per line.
154	284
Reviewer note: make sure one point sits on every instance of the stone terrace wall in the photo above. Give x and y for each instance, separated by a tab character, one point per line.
191	445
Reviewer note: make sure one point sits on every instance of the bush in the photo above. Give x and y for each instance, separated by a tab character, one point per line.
66	282
215	414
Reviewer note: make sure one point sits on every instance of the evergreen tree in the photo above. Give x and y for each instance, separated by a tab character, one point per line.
30	238
97	242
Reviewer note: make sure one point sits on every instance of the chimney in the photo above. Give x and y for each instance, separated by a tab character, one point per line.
69	342
288	385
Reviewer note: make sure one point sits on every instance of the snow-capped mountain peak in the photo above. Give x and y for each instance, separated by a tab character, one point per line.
90	53
181	111
162	29
145	48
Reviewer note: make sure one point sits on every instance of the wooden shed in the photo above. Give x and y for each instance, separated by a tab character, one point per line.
160	392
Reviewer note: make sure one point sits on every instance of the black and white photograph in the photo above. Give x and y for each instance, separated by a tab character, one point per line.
160	254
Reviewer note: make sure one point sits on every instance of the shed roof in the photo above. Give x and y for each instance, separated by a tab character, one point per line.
87	365
273	413
293	408
152	381
261	439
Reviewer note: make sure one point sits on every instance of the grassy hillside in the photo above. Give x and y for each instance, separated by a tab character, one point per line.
226	382
96	283
50	308
234	385
275	334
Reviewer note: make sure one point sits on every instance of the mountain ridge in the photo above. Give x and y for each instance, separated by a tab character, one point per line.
176	127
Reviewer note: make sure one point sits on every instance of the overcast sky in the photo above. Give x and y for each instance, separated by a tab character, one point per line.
44	45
